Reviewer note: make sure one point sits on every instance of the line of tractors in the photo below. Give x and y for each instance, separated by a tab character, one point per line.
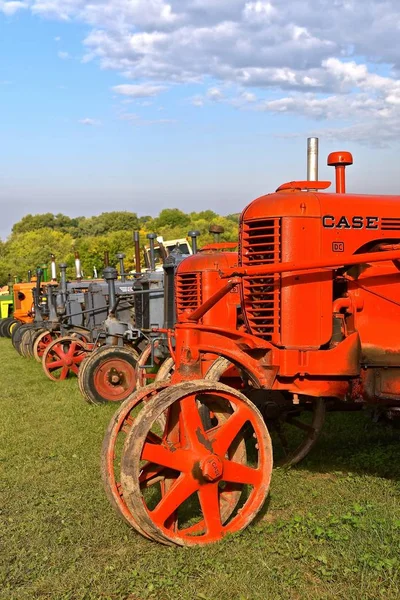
225	359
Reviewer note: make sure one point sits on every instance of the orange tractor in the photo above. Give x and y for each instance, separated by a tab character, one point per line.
306	317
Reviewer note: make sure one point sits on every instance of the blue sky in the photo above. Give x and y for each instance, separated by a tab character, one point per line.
133	105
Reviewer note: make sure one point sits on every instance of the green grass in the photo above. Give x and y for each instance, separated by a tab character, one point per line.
331	527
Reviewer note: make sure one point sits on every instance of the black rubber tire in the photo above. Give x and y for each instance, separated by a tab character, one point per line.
8	329
3	323
17	337
94	362
14	334
27	341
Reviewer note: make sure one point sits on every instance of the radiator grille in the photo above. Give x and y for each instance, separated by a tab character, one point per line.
261	245
188	293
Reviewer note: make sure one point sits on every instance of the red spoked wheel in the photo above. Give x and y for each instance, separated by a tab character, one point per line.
42	341
62	358
108	375
201	462
112	448
148	374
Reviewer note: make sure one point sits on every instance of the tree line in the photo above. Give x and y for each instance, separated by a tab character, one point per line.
35	237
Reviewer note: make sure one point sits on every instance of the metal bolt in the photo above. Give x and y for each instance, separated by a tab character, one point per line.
211	467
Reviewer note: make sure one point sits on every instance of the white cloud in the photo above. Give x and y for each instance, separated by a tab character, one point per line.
305	57
63	55
214	94
141	90
90	122
10	8
259	11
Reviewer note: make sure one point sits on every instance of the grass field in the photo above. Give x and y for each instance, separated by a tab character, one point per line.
331	527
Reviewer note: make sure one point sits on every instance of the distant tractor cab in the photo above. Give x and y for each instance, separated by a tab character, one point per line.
162	249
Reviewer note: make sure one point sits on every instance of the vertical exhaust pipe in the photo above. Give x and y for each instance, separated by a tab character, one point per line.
63	281
136	241
39	275
78	269
151	237
193	236
53	268
106	258
312	159
120	258
110	275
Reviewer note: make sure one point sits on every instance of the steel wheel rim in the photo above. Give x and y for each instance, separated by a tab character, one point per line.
62	357
114	379
188	460
119	426
41	343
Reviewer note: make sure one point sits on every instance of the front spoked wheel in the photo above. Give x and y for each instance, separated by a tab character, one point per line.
205	469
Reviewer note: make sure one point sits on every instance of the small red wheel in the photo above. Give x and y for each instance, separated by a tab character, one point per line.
201	463
63	357
42	341
109	375
145	374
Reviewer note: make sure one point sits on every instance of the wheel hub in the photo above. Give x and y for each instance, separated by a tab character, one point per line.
211	467
114	377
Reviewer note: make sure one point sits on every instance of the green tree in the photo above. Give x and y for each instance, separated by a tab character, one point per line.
108	222
25	251
171	217
58	222
35	237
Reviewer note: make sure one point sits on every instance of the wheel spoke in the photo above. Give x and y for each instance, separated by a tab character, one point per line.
238	473
209	502
75	369
300	425
283	440
57	349
56	364
180	491
178	460
191	425
148	473
71	349
64	373
224	435
79	358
